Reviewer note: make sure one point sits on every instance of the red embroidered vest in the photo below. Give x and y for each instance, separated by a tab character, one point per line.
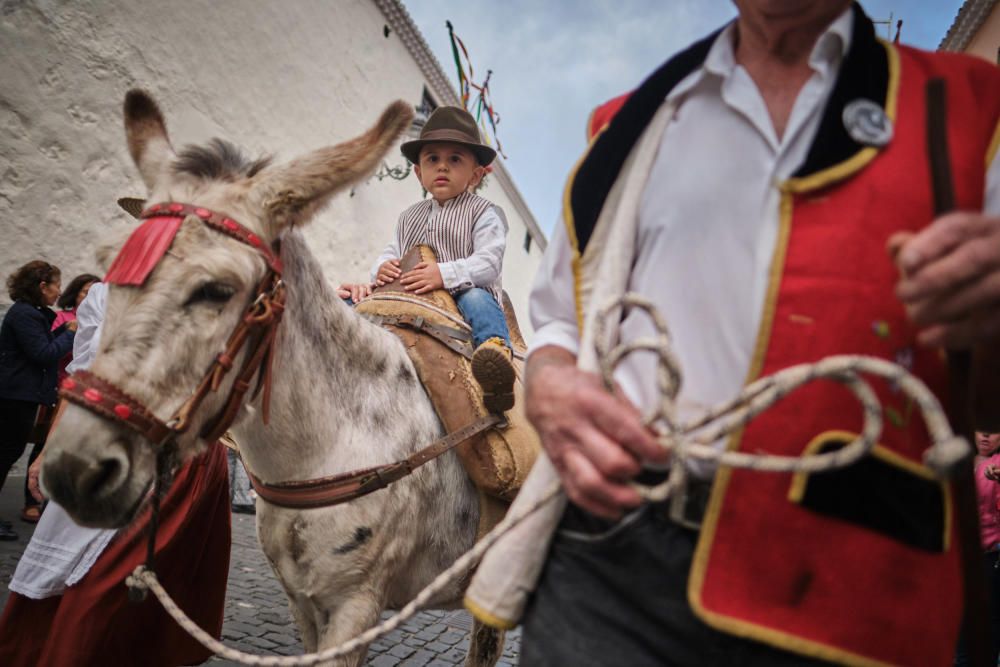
859	565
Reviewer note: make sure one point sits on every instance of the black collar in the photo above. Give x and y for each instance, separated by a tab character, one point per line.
864	73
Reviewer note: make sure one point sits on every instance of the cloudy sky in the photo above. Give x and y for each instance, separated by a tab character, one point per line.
554	60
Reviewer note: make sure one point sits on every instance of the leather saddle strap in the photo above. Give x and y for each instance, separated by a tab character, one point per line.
337	489
100	396
455	339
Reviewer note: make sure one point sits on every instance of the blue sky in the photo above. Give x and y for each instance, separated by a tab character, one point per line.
554	60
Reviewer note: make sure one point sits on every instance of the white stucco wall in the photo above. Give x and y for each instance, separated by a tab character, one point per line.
273	77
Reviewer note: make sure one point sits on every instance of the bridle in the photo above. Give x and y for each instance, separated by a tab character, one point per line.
256	331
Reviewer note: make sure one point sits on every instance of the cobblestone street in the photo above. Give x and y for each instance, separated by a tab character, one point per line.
257	616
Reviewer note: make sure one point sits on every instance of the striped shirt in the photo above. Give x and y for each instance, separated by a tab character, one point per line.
467	234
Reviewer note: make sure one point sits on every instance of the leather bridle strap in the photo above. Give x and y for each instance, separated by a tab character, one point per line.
100	396
342	488
258	326
259	323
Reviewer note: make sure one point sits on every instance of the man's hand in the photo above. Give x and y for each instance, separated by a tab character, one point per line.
34	470
596	440
388	272
424	277
950	280
354	291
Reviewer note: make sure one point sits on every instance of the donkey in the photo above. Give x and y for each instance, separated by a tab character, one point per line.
344	394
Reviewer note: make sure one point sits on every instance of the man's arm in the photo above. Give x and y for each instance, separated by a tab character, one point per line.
595	439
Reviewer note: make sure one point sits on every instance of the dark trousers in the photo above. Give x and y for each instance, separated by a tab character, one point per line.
616	594
16	420
991	569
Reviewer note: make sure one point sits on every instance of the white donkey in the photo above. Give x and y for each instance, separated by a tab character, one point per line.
344	393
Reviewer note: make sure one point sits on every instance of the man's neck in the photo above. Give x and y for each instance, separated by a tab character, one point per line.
775	49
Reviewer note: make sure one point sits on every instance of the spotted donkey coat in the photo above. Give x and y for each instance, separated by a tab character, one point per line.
449	234
344	394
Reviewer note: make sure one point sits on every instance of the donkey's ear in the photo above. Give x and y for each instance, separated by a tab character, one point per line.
292	193
147	136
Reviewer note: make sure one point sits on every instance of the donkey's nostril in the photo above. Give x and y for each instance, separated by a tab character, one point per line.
100	478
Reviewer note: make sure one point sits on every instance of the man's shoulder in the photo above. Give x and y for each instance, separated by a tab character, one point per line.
976	70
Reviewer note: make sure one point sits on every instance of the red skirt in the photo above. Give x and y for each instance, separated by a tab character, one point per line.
93	622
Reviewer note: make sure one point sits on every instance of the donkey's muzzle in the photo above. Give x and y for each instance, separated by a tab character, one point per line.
94	490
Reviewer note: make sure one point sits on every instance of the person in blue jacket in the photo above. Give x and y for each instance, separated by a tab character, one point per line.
29	360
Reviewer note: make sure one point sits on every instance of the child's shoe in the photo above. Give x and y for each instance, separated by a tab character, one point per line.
494	371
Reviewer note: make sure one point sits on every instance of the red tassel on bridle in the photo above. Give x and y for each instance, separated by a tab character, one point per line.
143	250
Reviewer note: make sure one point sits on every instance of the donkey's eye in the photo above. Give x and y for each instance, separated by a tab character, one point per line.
211	293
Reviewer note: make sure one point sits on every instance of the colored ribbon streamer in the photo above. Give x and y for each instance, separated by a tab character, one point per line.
466	85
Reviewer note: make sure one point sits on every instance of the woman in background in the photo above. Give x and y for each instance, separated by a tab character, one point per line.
29	360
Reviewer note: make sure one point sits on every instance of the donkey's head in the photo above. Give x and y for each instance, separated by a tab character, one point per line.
160	337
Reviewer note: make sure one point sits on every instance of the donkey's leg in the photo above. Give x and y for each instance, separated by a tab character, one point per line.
485	647
305	620
355	612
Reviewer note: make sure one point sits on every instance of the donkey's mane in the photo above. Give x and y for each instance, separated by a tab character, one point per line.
218	160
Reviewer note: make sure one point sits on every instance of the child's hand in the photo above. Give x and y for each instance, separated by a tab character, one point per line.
425	277
354	292
992	473
388	272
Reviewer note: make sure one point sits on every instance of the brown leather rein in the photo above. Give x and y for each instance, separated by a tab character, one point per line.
259	325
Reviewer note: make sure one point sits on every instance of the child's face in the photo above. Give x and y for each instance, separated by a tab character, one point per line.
987	443
447	170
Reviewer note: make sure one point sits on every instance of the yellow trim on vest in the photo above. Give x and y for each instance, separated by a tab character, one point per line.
699	564
486	618
859	160
576	262
800	479
991	152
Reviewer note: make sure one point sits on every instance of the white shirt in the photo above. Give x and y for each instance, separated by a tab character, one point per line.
481	268
89	320
708	226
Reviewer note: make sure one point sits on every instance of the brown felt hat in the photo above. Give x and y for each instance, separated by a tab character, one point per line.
132	205
454	125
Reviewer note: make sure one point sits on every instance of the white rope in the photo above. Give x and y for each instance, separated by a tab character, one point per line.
687	441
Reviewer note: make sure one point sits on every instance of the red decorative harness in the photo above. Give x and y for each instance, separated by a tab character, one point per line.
136	260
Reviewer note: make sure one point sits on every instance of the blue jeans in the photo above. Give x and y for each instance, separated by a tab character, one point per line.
484	315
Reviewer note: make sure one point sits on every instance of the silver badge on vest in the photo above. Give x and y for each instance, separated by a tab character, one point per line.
867	123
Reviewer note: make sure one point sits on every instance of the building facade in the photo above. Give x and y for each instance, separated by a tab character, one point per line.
976	30
273	78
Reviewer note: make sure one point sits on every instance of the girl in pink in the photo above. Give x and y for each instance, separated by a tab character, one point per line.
987	466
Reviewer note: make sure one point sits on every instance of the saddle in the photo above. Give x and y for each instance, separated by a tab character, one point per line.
439	343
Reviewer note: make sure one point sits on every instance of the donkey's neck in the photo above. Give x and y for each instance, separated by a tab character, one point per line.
344	394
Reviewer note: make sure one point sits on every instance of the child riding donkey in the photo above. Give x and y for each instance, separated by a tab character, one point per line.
468	237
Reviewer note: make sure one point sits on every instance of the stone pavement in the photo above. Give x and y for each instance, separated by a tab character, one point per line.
257	617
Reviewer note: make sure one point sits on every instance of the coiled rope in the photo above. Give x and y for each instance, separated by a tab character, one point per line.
686	442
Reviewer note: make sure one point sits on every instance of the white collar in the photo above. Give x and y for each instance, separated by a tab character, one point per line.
827	53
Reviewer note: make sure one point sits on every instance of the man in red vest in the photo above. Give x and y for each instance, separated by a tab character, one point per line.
793	158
